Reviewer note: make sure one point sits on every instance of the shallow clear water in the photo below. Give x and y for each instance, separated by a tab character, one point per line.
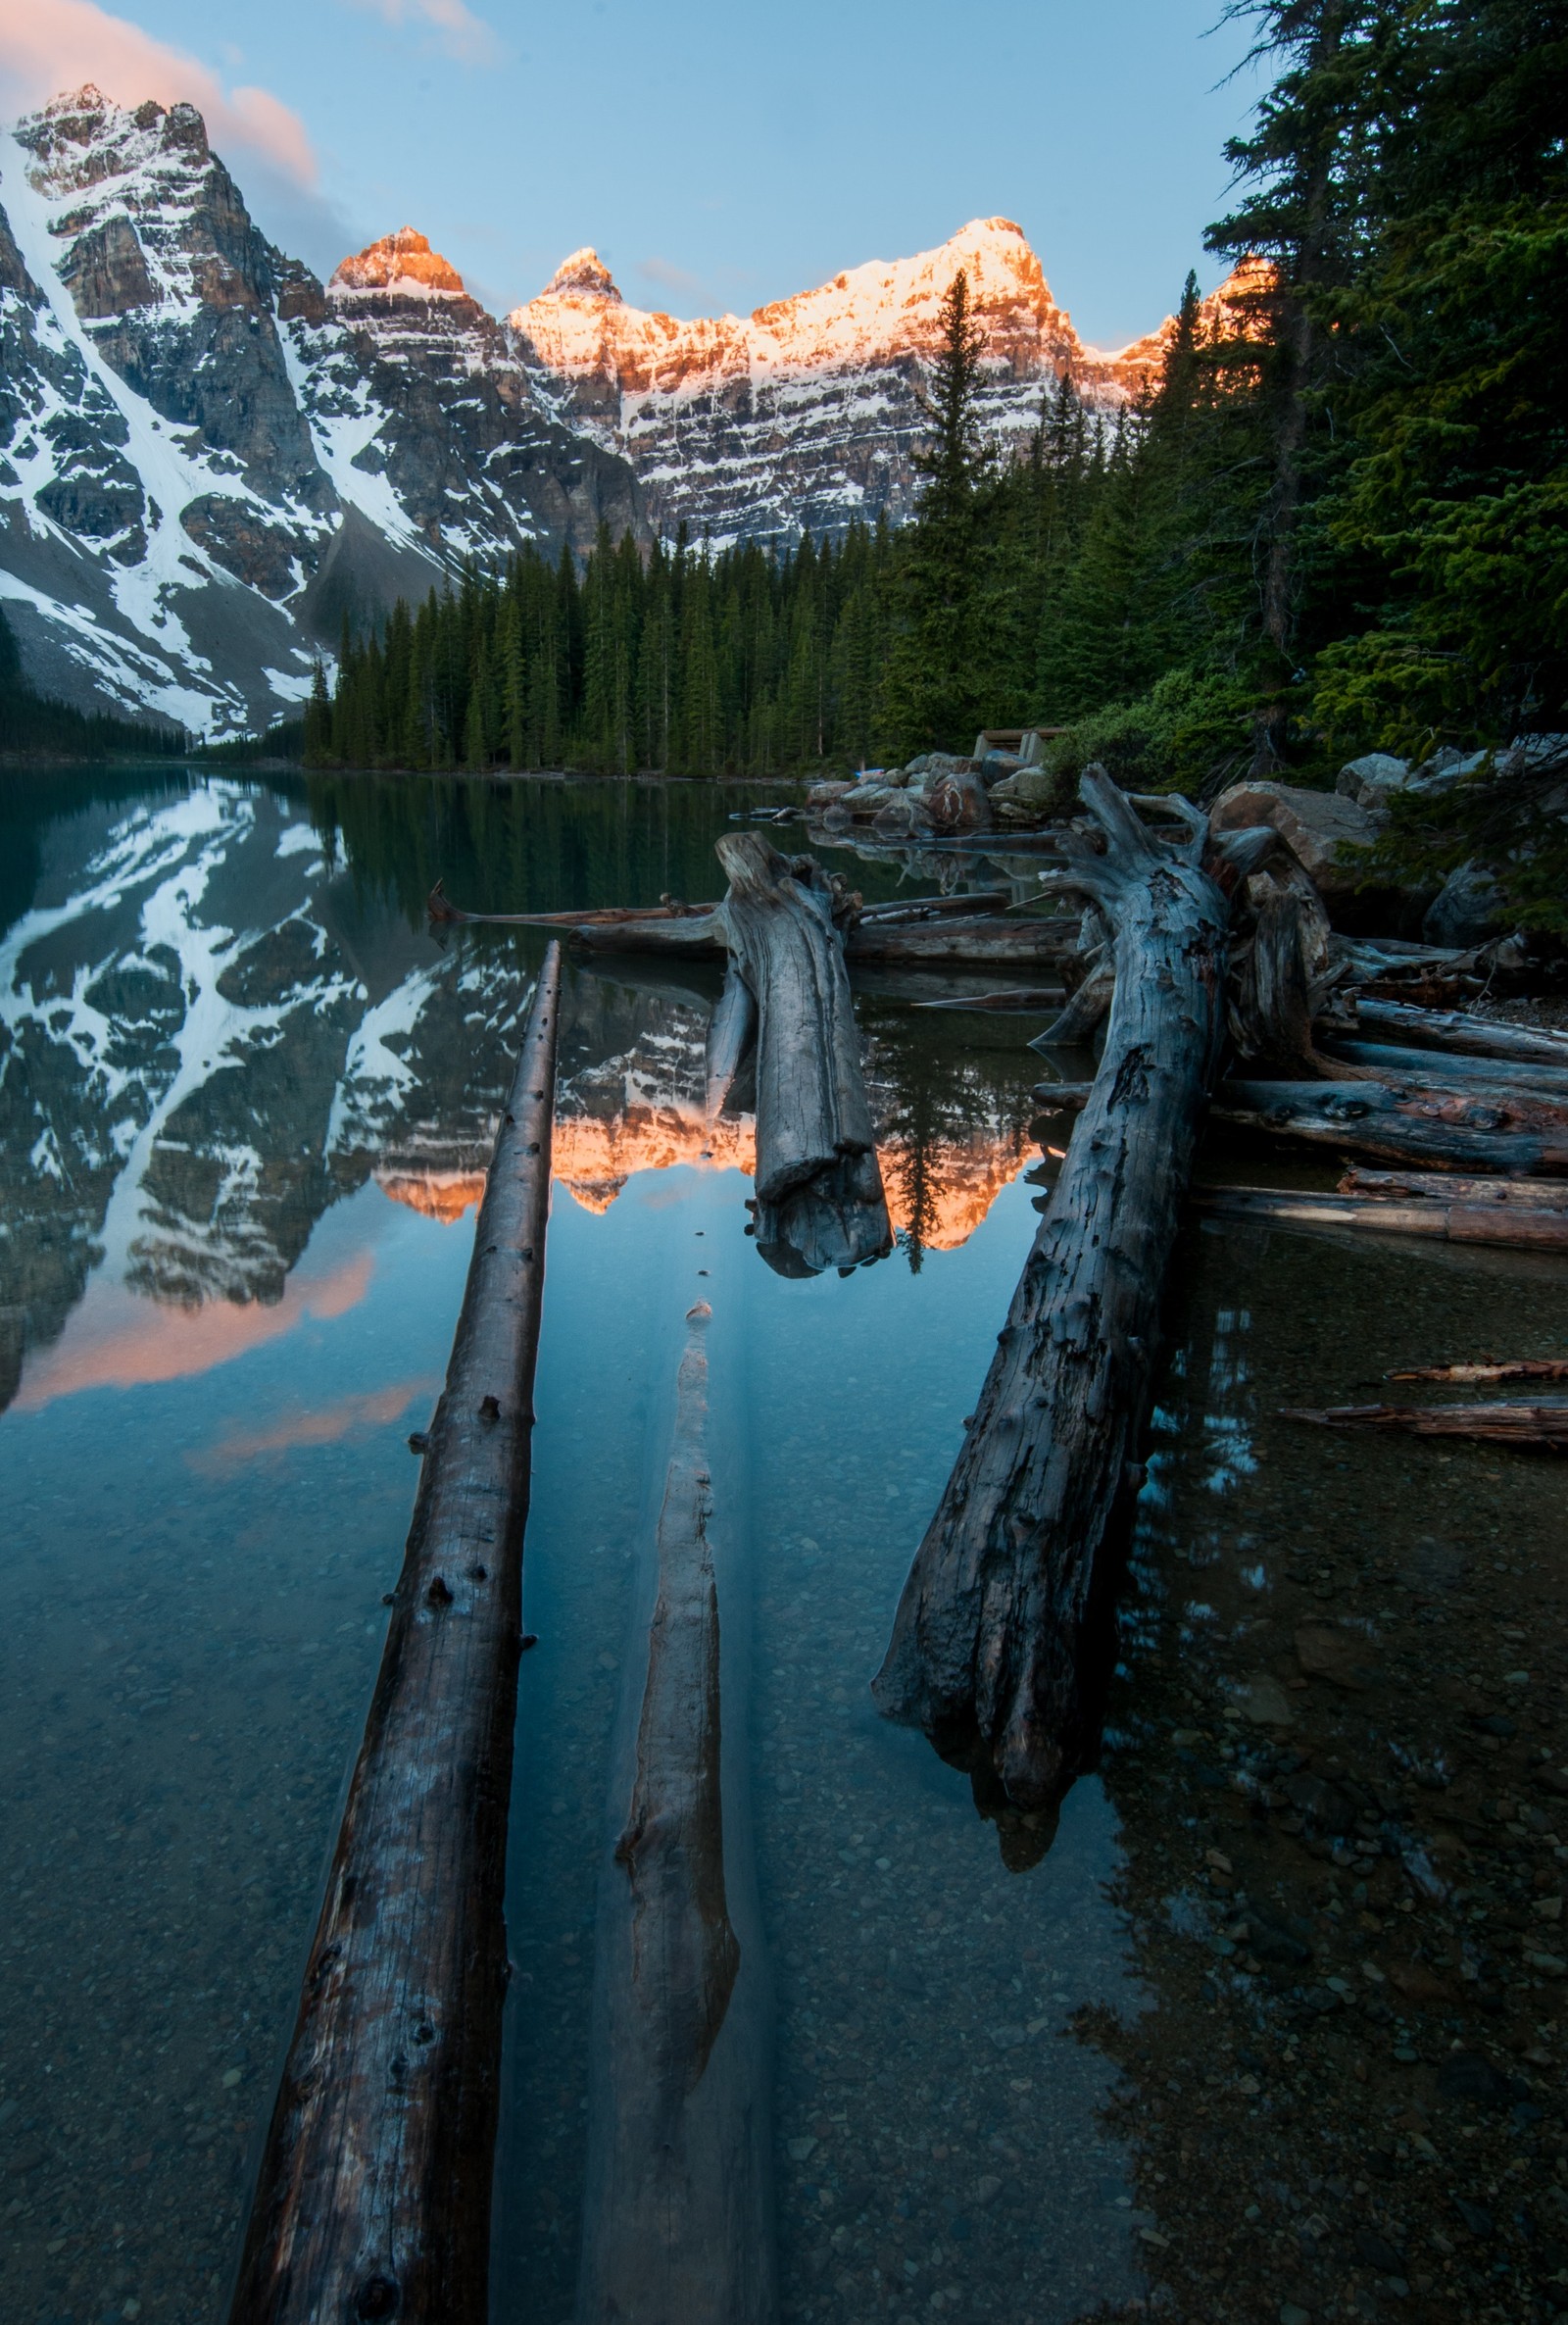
245	1106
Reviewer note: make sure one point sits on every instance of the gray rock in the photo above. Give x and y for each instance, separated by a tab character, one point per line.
1467	909
1370	779
1318	827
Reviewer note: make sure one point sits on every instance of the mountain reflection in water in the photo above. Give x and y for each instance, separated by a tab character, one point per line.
222	1014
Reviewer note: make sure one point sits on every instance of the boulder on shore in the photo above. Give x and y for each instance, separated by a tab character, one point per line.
1027	796
1370	780
1318	827
1467	909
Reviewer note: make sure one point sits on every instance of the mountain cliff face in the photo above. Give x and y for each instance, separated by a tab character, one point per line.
810	411
206	457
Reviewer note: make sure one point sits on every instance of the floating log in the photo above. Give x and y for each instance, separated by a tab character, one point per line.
939	932
1452	1186
678	2198
1521	1368
1524	1226
1453	1069
1022	1000
1515	1136
989	1647
1543	1424
819	1198
373	2197
991	941
1456	1030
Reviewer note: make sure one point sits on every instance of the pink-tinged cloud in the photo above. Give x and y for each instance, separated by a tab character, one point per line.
116	1340
323	1424
49	46
458	30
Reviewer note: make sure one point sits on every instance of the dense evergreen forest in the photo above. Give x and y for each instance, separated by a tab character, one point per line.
31	725
1341	523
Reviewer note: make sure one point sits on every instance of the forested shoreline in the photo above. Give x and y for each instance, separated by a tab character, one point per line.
1341	523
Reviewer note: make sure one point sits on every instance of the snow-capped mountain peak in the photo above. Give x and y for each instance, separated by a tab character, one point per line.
582	274
402	263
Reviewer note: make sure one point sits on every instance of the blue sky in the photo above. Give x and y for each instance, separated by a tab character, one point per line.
716	155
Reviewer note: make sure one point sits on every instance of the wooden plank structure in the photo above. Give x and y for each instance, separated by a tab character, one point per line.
374	2197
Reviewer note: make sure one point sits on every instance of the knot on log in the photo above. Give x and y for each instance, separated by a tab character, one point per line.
439	1593
378	2296
489	1409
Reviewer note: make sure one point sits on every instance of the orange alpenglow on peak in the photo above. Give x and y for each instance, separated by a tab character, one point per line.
402	262
582	275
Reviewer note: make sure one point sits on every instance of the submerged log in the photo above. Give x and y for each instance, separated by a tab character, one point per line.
819	1198
1452	1186
373	2197
1543	1424
1492	1133
988	1653
1522	1226
678	2202
1456	1030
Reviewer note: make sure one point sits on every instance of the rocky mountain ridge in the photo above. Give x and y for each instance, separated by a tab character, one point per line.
208	457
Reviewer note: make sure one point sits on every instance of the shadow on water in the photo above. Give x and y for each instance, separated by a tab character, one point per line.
1269	2015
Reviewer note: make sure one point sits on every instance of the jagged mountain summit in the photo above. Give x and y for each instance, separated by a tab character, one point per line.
808	411
208	457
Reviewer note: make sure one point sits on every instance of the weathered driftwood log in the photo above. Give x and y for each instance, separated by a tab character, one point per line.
1520	1369
1454	1030
912	909
1492	1134
986	1647
731	1033
374	2199
1086	1011
678	2202
819	1198
1522	1227
1446	1069
1543	1424
1452	1186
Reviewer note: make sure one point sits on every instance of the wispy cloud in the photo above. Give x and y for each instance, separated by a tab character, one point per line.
319	1424
666	275
47	46
458	31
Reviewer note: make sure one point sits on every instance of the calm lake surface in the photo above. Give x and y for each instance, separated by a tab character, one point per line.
1268	2026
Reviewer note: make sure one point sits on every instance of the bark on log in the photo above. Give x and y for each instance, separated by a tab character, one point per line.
986	1648
1407	1124
678	2201
731	1033
374	2199
819	1198
1544	1425
1454	1030
1524	1227
1452	1186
